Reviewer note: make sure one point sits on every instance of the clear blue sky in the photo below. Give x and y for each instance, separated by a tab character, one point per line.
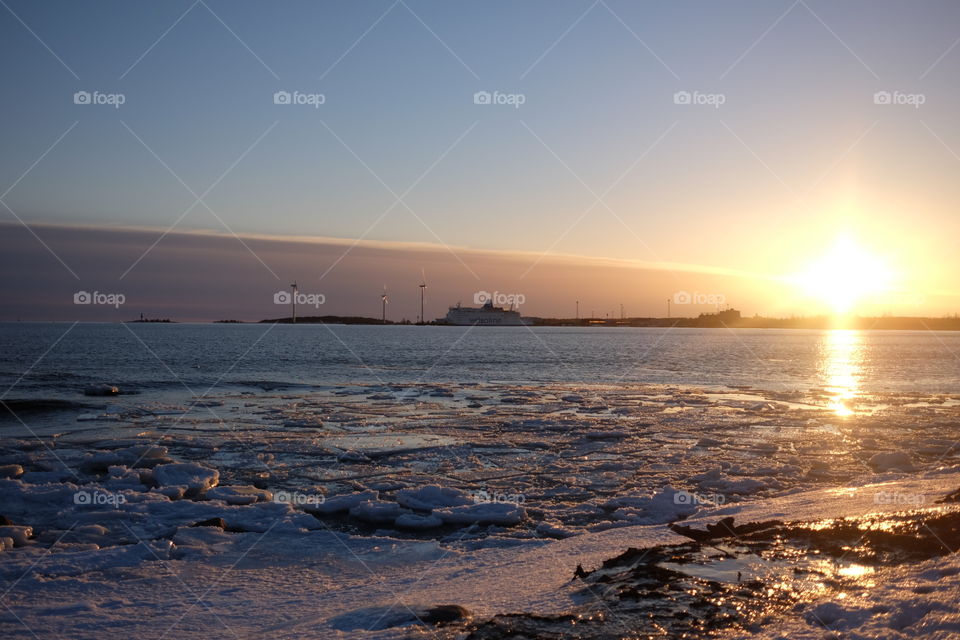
797	147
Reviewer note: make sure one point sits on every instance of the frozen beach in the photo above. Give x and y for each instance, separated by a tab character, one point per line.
297	508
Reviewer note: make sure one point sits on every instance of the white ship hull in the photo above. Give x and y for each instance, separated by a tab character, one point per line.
487	315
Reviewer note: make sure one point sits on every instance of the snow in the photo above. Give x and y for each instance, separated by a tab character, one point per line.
495	513
896	460
406	525
414	521
137	455
239	495
666	505
377	511
325	589
120	477
432	497
716	480
340	504
553	530
46	477
193	541
186	475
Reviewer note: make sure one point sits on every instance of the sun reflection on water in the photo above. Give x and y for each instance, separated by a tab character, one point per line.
840	365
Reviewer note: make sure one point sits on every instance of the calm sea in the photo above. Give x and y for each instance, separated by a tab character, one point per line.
58	360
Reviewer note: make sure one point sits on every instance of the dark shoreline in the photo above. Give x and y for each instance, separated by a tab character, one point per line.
811	324
703	322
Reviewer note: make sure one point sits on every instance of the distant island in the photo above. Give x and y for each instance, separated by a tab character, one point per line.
730	318
142	318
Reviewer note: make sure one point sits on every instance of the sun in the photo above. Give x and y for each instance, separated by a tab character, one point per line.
845	275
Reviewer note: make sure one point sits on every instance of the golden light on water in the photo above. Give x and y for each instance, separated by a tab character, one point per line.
854	571
840	364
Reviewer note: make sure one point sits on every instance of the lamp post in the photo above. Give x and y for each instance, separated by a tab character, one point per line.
293	303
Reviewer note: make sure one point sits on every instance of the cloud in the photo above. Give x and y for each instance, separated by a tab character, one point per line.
206	275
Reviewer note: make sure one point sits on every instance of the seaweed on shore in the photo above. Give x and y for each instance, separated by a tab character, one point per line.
732	577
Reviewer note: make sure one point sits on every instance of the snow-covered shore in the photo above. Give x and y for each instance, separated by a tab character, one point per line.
349	513
282	583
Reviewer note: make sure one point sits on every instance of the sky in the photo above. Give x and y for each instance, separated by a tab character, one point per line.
629	151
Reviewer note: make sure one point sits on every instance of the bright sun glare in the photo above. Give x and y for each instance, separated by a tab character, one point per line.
845	275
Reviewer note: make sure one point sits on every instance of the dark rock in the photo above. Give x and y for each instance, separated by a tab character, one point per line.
6	522
211	522
579	572
101	390
444	614
953	496
220	523
724	528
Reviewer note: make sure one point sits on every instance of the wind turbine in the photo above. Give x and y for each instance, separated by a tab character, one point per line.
293	302
383	305
423	288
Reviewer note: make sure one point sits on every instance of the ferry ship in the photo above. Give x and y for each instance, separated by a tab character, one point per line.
487	315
